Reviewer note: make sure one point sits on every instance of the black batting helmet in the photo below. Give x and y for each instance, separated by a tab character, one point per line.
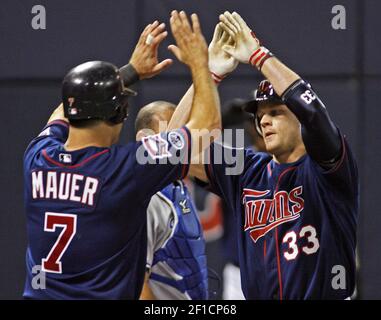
95	90
264	93
232	113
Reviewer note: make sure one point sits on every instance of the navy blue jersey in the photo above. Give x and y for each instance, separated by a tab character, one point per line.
296	223
86	211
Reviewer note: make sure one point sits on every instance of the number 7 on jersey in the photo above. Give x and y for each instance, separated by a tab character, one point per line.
66	221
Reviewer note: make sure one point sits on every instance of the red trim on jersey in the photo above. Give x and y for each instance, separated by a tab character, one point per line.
185	168
279	268
281	175
63	122
276	238
73	166
254	193
269	169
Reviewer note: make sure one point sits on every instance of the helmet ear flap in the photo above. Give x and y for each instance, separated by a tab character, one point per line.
121	110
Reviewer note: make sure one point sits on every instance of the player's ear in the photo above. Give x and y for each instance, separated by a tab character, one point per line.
140	135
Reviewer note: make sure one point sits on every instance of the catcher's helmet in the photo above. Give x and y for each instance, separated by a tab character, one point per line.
95	90
264	93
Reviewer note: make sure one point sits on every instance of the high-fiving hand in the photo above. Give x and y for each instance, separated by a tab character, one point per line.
220	62
245	41
191	47
145	56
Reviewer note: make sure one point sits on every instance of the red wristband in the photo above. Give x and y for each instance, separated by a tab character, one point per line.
217	79
269	55
259	56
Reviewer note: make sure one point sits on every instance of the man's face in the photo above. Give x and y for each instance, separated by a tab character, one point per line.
280	128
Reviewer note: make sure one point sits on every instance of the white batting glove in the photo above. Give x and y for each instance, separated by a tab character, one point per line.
247	47
220	62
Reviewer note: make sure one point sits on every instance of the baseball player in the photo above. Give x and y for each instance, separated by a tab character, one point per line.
176	260
86	196
296	209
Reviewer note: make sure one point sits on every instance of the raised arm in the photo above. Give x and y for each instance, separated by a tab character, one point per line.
144	62
220	65
192	50
182	112
320	135
58	114
204	121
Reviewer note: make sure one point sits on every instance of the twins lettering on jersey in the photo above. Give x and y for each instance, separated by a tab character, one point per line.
52	185
263	215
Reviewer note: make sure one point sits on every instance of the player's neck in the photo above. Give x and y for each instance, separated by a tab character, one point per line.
290	156
80	138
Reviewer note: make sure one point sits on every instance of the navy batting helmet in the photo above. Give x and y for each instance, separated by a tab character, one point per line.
264	93
95	90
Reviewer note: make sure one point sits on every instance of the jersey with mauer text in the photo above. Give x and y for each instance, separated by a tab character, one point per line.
86	212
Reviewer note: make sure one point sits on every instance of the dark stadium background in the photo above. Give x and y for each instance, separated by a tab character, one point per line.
344	67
